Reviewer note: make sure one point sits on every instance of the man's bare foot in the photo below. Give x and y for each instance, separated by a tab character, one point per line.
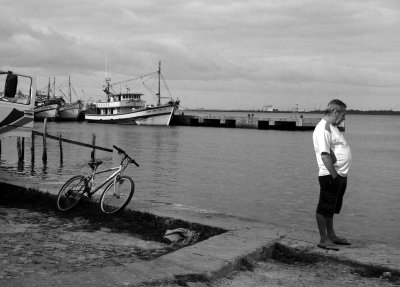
340	241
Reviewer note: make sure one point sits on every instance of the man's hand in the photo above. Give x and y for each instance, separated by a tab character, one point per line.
327	160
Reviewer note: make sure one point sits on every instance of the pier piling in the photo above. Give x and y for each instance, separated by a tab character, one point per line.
60	139
32	148
92	154
44	155
61	149
20	148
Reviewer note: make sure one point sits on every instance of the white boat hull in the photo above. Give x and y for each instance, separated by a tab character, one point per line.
48	111
157	116
16	114
15	120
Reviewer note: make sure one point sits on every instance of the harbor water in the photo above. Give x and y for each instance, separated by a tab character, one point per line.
265	175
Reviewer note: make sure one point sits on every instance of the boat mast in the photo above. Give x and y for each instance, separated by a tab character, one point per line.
54	87
48	90
107	89
159	84
69	88
108	79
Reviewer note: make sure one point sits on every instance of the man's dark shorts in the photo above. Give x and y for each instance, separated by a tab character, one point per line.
331	195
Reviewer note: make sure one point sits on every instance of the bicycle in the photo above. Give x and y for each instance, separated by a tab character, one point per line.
116	194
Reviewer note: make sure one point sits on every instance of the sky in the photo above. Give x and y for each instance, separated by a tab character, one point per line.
221	54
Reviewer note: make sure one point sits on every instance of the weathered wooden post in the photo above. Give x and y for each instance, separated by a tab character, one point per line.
23	148
92	155
61	150
32	148
0	147
44	155
19	149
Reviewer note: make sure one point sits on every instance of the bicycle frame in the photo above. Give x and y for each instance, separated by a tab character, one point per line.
119	170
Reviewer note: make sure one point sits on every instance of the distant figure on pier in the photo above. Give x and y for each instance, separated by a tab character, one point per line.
334	159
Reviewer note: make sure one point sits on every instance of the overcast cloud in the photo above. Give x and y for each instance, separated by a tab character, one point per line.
215	54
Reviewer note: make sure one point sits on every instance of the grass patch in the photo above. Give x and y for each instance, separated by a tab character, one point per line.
141	224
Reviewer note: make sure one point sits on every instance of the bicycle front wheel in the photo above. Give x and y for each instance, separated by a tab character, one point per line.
71	193
117	195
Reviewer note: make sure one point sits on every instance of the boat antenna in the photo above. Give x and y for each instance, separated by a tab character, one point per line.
159	84
106	64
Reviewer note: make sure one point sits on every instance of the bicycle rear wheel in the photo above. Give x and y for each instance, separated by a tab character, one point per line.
71	193
117	195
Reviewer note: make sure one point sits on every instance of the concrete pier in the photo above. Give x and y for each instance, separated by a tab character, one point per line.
251	121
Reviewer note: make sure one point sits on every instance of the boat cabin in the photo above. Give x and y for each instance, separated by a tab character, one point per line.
120	103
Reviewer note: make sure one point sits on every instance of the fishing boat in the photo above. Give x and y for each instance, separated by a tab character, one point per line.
69	110
16	104
129	108
46	106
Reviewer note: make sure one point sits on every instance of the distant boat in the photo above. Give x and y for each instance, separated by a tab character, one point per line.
55	108
46	106
69	111
46	109
129	108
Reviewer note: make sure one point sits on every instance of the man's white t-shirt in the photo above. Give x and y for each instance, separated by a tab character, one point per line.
327	138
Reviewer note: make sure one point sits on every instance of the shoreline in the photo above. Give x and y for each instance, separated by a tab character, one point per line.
214	257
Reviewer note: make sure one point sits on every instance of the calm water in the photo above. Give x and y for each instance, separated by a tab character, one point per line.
265	175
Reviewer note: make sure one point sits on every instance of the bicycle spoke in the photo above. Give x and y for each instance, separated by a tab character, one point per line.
117	195
71	193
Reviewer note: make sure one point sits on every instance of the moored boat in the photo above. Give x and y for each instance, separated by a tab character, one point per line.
49	111
46	106
129	108
16	104
46	109
69	111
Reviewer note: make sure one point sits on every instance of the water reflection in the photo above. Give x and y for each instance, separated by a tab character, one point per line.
44	170
262	175
20	165
32	169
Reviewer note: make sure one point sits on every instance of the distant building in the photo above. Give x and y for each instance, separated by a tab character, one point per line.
269	108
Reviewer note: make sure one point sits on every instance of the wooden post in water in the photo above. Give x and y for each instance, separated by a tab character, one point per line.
61	150
92	155
44	155
19	149
32	148
0	147
23	148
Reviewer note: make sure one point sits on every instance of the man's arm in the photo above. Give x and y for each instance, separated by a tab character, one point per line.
328	162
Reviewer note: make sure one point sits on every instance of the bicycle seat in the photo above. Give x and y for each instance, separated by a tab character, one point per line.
94	164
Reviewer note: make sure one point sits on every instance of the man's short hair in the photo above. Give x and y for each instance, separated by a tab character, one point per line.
334	105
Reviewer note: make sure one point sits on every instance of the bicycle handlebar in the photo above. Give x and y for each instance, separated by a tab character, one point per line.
125	154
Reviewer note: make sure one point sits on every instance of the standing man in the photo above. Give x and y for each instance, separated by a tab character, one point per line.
334	159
